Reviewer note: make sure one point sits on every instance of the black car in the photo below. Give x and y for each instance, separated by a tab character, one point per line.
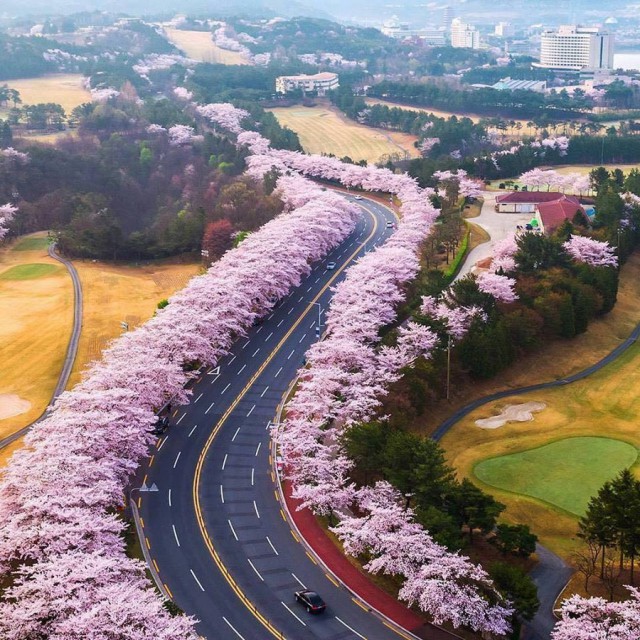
160	426
311	600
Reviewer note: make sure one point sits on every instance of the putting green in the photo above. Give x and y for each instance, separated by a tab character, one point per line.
565	473
31	244
29	271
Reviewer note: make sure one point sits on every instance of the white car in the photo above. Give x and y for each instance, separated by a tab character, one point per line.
331	266
357	197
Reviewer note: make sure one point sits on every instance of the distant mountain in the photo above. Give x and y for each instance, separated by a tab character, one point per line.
365	11
267	8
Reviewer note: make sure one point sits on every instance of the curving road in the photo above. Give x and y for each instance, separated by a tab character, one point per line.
214	531
72	346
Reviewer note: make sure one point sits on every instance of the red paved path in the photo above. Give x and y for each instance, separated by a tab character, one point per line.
324	547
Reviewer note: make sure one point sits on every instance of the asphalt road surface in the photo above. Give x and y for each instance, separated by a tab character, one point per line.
214	530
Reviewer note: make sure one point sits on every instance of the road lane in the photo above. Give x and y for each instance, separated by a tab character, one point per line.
230	514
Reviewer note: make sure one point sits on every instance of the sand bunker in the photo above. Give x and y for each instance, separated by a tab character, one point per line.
12	405
512	413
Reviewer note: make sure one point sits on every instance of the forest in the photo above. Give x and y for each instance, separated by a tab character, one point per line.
121	190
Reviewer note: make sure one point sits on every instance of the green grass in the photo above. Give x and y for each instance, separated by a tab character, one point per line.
31	244
29	271
565	473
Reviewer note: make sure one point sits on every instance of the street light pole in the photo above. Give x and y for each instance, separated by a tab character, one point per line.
143	489
448	365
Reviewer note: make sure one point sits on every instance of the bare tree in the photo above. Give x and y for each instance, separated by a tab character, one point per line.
586	561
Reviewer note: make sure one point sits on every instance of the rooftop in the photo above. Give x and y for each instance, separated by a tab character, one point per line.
532	197
325	75
553	214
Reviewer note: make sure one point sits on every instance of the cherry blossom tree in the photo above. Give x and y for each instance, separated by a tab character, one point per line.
180	135
7	211
500	287
591	252
183	94
58	493
504	252
427	144
18	157
596	619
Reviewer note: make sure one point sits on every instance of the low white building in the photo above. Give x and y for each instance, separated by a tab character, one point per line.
401	30
319	82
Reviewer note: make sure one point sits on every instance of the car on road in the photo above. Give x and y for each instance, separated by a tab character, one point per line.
390	224
357	197
160	426
311	600
331	266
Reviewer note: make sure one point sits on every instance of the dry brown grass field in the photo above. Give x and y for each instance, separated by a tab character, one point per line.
199	46
35	325
117	293
605	404
65	89
323	129
36	299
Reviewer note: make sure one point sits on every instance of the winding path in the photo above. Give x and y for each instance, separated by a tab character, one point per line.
72	346
552	573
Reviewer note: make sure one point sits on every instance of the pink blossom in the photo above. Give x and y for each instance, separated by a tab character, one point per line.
596	619
500	287
13	154
591	252
104	94
7	211
155	129
181	134
224	114
427	144
183	94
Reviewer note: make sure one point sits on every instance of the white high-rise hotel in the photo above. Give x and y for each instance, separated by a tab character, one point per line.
464	35
573	48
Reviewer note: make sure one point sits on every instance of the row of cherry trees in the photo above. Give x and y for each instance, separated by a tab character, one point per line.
348	373
536	179
60	538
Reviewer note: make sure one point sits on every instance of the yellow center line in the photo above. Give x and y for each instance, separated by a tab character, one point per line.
203	454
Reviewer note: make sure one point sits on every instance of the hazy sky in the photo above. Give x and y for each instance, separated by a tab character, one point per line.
363	10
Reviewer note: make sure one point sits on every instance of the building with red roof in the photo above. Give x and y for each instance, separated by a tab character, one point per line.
549	208
550	215
524	201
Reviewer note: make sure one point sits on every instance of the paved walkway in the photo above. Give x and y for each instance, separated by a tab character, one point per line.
72	347
356	581
497	225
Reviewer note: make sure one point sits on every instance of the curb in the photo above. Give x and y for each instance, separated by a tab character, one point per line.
386	620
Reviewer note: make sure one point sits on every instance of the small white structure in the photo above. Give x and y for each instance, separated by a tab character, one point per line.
319	82
509	84
401	30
